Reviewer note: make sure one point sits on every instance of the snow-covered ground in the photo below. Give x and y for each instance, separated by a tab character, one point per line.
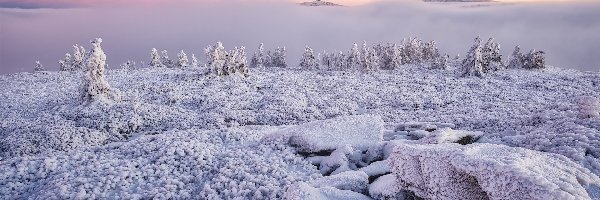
178	133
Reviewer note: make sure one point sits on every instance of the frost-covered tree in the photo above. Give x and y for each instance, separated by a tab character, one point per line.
241	61
216	57
308	60
155	59
430	51
472	64
78	57
167	62
182	61
194	61
354	58
412	50
95	87
65	64
278	58
535	60
516	60
389	55
38	67
440	62
258	59
129	65
492	59
371	60
326	60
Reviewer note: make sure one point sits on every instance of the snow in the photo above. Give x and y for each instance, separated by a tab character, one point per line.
481	171
356	181
382	188
182	133
359	131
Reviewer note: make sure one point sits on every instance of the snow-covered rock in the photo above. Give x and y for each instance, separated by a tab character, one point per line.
588	107
481	171
447	135
356	181
383	188
377	168
359	131
303	191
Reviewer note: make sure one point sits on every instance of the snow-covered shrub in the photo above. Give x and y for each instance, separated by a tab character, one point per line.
194	61
129	65
95	87
259	58
308	60
472	65
516	59
534	60
166	61
38	67
482	171
222	62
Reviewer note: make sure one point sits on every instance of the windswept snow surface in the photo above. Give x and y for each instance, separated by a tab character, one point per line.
180	133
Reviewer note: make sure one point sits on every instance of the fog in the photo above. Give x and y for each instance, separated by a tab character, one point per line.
568	32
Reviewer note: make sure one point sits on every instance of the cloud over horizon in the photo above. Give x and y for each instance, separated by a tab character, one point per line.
568	32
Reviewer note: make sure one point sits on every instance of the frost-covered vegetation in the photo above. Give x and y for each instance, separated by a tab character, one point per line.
383	121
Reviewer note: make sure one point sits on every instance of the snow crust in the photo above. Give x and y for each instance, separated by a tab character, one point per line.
482	171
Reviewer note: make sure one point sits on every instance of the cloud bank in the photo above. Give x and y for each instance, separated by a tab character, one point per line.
567	31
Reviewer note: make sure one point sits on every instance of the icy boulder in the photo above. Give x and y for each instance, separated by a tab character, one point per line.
358	131
303	191
448	135
382	188
356	181
482	171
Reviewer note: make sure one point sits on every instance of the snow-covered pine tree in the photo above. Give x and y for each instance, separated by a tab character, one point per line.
472	64
430	51
308	60
354	58
371	60
216	56
166	61
278	58
395	56
492	59
516	60
258	59
95	87
341	61
194	61
535	60
38	67
182	61
413	51
241	61
65	64
326	60
155	61
78	57
440	62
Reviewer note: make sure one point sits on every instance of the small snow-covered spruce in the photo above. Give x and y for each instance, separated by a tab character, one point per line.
354	58
38	67
216	57
492	59
194	61
167	62
78	57
241	61
413	52
258	59
308	60
430	51
277	58
183	61
371	61
440	62
534	60
472	64
155	61
95	87
516	60
66	63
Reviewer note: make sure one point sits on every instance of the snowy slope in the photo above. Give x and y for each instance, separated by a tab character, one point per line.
179	133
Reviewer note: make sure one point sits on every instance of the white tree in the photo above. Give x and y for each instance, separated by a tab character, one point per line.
371	60
241	61
183	61
277	59
516	60
354	58
155	59
194	61
65	64
534	60
95	87
308	60
216	57
258	59
440	62
78	57
472	64
166	61
38	67
492	59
